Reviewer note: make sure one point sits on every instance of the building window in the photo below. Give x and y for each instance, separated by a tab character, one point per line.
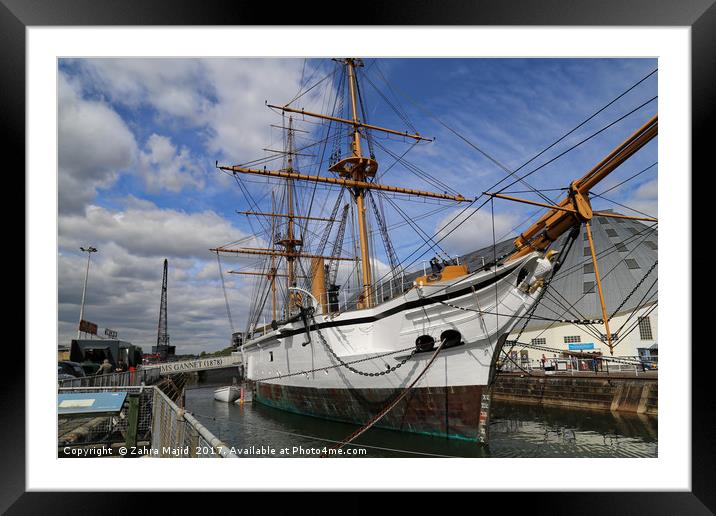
588	287
620	221
602	220
645	328
587	251
585	237
270	356
632	263
651	245
615	336
621	247
634	231
571	339
588	268
539	342
611	232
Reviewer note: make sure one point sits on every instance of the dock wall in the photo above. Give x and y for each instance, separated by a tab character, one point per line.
622	394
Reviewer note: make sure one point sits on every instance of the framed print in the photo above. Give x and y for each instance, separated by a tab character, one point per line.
434	247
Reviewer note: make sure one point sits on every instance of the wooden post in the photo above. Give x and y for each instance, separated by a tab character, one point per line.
132	421
318	284
605	316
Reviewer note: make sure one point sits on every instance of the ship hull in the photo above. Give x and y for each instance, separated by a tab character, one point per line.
351	366
459	412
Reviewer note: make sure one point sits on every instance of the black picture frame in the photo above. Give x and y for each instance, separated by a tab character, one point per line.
700	15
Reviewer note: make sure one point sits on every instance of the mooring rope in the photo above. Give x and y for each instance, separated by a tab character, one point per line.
316	438
391	405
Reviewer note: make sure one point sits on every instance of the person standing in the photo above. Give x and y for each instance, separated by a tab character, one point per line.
105	368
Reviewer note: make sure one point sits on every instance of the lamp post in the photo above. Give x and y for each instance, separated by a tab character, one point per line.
89	250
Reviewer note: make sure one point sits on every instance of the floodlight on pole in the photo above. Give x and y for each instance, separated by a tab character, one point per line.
89	250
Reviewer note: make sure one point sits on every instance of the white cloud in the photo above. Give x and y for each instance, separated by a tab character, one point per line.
473	229
645	199
125	275
223	99
123	293
164	167
648	190
94	146
175	86
148	231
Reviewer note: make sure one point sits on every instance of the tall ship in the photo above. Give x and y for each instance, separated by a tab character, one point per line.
340	330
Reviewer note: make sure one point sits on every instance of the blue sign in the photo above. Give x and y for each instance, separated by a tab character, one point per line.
581	345
89	402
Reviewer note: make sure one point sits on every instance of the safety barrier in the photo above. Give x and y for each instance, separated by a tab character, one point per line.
128	378
162	428
174	429
575	366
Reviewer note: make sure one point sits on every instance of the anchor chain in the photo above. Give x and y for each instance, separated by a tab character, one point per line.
636	287
353	369
318	369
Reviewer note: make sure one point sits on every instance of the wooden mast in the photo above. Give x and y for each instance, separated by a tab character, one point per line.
302	217
273	258
290	243
358	173
605	316
355	172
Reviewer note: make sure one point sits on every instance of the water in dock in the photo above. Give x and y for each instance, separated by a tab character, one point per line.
515	431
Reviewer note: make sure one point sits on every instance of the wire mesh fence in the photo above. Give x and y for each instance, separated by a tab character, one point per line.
178	432
105	429
163	429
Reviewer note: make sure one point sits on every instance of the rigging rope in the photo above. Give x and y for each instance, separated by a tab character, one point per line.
628	179
316	438
468	206
636	287
471	144
521	178
380	415
226	298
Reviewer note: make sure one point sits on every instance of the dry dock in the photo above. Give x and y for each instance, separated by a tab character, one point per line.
616	392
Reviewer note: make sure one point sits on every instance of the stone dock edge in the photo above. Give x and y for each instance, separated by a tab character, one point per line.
620	394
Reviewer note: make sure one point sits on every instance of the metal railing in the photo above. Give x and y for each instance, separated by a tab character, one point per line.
575	366
167	429
175	429
105	429
347	298
141	376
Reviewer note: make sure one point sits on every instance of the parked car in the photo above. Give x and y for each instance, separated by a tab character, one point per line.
71	368
61	375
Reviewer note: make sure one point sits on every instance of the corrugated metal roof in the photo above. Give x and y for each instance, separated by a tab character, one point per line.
626	250
616	241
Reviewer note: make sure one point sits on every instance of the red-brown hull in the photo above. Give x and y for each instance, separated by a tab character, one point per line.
459	412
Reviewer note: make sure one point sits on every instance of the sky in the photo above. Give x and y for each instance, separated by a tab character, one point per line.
138	140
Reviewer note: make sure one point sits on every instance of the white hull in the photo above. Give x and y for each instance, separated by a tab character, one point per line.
280	358
227	394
